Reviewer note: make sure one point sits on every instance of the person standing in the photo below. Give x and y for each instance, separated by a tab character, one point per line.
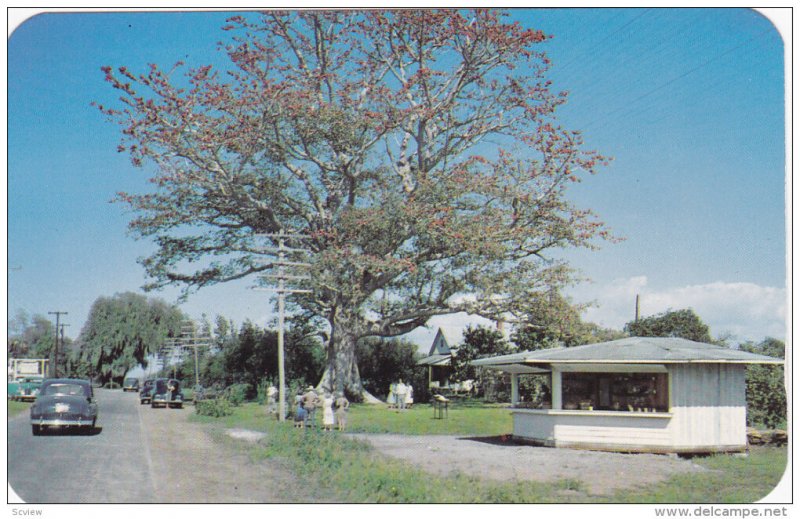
409	396
342	404
272	404
400	393
327	411
391	400
311	402
300	415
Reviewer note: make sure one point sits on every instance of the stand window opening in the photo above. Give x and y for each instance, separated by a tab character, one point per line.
634	392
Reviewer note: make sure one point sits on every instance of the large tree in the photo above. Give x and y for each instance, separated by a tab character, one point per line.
121	331
416	150
766	389
30	336
553	320
672	323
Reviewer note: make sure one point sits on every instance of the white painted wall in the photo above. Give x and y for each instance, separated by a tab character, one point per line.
707	412
708	404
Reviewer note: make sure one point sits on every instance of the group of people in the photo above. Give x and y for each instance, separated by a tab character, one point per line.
401	396
334	409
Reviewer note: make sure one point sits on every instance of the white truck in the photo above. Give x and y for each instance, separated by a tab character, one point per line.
25	376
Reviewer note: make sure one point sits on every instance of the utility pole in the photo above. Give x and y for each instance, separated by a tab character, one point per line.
189	339
636	317
282	277
53	367
62	342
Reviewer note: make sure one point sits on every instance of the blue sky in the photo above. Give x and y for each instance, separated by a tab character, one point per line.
690	104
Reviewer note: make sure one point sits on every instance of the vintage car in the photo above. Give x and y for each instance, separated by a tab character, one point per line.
146	393
166	393
27	389
130	384
64	403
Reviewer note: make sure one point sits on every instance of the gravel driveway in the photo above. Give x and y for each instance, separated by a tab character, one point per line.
189	465
600	472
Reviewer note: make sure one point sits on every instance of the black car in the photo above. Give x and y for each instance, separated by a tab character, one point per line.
166	393
64	403
130	384
146	393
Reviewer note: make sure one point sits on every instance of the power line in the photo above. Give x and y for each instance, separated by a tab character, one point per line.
679	77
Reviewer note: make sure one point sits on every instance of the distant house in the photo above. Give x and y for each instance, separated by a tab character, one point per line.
638	394
443	349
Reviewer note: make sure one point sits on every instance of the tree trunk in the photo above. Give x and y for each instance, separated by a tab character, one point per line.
341	370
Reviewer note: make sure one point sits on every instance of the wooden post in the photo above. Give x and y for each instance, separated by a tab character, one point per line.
555	387
514	389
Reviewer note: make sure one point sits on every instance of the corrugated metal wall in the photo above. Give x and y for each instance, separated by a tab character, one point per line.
708	404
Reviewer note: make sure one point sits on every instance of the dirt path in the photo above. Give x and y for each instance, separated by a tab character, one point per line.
189	464
600	472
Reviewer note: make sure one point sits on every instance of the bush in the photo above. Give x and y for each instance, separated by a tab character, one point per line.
216	407
236	394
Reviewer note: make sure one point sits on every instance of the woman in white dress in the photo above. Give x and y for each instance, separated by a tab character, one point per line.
327	411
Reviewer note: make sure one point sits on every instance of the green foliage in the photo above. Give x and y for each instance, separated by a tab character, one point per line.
237	393
567	330
16	408
672	323
383	362
480	342
766	390
33	337
251	355
214	407
121	331
550	321
30	337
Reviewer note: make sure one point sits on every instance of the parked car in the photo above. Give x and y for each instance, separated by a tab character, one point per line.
166	393
28	388
64	403
146	393
130	384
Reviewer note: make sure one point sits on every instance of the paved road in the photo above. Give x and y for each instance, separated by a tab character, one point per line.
141	455
111	466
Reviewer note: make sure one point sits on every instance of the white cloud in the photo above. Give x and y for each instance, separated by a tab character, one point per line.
746	310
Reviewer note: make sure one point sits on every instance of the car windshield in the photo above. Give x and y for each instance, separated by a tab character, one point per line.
64	389
130	381
162	386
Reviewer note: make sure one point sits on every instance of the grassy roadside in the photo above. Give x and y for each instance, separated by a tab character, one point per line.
17	408
351	471
733	480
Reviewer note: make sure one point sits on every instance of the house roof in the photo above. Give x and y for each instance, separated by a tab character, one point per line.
434	360
453	335
631	350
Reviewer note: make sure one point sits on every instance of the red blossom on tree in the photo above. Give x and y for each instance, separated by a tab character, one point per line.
368	132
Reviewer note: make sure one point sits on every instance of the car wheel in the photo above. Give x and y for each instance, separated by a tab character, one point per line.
36	429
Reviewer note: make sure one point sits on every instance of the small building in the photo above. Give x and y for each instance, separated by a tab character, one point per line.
438	361
639	394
